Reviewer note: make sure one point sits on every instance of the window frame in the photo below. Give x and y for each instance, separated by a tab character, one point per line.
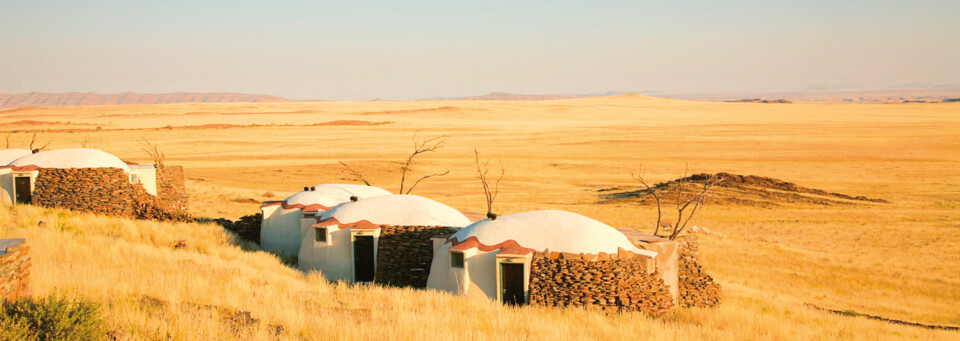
458	260
318	232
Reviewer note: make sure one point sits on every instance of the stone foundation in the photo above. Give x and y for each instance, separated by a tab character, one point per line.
14	269
617	284
405	253
102	191
697	289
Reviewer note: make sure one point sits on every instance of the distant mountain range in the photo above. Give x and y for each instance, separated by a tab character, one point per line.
887	95
40	99
506	96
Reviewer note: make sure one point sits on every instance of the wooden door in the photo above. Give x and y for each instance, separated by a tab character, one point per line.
511	283
22	191
363	253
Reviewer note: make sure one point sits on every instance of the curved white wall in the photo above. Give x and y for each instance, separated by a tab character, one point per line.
280	230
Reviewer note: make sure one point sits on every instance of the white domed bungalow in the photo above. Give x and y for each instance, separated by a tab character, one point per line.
549	258
88	180
286	222
386	239
6	184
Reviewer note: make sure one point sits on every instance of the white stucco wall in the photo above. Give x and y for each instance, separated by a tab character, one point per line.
477	280
280	230
333	259
6	186
147	175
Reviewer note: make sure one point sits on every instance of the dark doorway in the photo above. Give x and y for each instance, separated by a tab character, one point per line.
363	258
22	184
511	283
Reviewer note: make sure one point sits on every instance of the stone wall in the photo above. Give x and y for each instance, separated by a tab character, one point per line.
606	283
697	289
14	269
171	190
404	254
94	190
101	191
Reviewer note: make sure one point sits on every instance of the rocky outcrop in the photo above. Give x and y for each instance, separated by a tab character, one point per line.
14	269
758	100
618	284
404	254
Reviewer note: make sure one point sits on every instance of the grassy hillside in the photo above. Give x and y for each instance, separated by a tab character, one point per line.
151	290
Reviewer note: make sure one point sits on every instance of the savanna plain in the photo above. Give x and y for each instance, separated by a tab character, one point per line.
899	260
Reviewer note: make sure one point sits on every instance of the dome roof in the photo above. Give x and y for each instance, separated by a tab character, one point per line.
329	195
72	158
403	210
558	231
9	155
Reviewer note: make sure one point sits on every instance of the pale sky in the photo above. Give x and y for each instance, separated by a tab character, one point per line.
360	50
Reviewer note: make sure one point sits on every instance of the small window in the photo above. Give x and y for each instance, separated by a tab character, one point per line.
134	179
320	234
456	259
309	214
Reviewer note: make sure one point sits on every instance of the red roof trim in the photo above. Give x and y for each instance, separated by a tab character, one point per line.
306	208
363	224
509	246
27	168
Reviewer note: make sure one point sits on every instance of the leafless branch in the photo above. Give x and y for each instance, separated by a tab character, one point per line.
694	204
420	147
656	195
482	171
8	140
355	173
424	178
33	141
154	151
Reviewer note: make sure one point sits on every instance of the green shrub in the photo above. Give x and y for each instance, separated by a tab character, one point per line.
51	318
11	330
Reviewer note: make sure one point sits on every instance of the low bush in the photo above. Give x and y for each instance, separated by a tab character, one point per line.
51	318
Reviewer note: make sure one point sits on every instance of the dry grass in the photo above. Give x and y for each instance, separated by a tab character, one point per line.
898	260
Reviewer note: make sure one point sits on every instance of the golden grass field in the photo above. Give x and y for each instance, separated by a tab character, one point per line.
899	260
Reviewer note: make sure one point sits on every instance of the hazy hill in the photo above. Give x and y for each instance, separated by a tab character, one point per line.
41	99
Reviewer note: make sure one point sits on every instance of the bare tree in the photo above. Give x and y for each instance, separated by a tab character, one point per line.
87	142
689	200
420	147
482	171
355	174
689	204
33	142
656	195
8	139
154	151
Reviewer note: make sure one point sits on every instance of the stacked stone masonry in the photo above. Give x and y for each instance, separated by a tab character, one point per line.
697	289
602	283
171	190
104	191
14	269
404	254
